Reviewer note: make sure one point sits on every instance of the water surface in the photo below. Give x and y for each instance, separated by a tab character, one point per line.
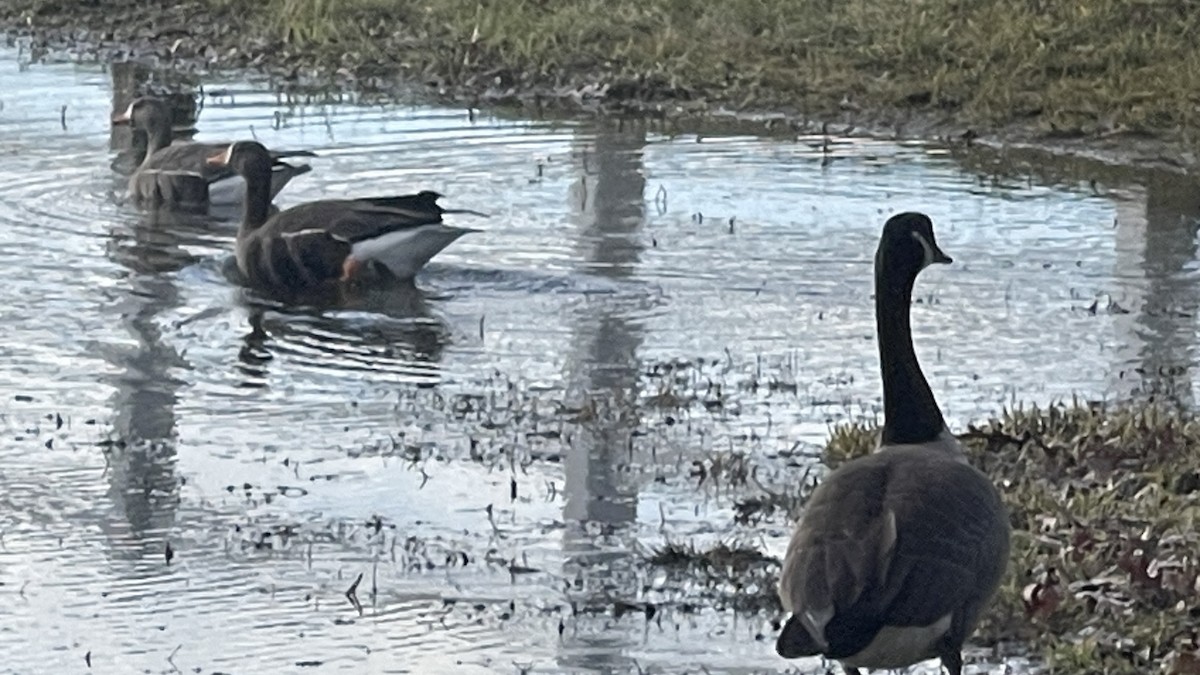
487	450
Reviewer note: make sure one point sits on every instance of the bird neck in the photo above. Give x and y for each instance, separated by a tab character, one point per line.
910	412
257	205
157	138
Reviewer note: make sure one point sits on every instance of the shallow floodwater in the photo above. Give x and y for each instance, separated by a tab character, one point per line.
191	477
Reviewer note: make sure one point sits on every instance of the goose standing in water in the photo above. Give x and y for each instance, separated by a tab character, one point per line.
899	551
328	241
178	176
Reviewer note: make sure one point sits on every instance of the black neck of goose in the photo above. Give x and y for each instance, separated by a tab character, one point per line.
910	412
158	136
258	196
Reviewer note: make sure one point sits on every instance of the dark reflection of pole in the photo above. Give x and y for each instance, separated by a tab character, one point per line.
142	484
143	487
609	210
1156	244
1155	293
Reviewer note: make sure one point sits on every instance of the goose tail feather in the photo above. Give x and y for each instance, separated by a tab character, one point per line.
468	212
285	154
795	640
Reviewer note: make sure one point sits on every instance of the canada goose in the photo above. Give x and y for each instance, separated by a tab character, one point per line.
330	240
897	552
178	177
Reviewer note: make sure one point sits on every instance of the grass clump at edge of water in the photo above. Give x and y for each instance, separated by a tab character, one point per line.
1093	67
1104	502
1124	69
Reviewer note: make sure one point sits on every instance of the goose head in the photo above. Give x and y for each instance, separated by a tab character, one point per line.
146	113
253	162
150	116
247	158
906	247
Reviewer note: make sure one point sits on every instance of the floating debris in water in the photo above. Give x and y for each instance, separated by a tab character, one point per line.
352	594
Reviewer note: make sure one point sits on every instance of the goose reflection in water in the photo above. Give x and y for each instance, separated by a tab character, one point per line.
386	331
159	242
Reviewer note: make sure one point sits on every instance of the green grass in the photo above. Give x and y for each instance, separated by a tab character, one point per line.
1074	66
1109	498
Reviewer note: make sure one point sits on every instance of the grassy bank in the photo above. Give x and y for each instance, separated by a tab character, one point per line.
1068	69
1095	66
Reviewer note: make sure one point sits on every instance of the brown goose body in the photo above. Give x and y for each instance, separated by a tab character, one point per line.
898	552
332	240
178	176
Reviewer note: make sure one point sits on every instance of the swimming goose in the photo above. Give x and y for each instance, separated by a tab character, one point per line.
897	552
331	240
178	177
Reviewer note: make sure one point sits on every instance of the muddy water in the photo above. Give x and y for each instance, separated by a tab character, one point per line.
496	451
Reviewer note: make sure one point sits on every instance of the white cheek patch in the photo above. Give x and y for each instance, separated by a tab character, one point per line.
926	247
228	154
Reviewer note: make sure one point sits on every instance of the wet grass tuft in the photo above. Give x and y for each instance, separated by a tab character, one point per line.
1104	502
730	576
720	558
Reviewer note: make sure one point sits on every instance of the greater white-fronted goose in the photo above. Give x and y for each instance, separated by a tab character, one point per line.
897	552
332	240
177	176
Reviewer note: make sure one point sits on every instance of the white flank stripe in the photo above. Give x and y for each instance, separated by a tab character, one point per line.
405	252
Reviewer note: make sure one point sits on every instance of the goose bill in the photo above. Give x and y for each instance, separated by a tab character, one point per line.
220	159
350	268
123	117
933	254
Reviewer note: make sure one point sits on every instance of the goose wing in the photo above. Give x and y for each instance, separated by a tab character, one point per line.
194	156
355	220
895	539
171	189
191	157
292	260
